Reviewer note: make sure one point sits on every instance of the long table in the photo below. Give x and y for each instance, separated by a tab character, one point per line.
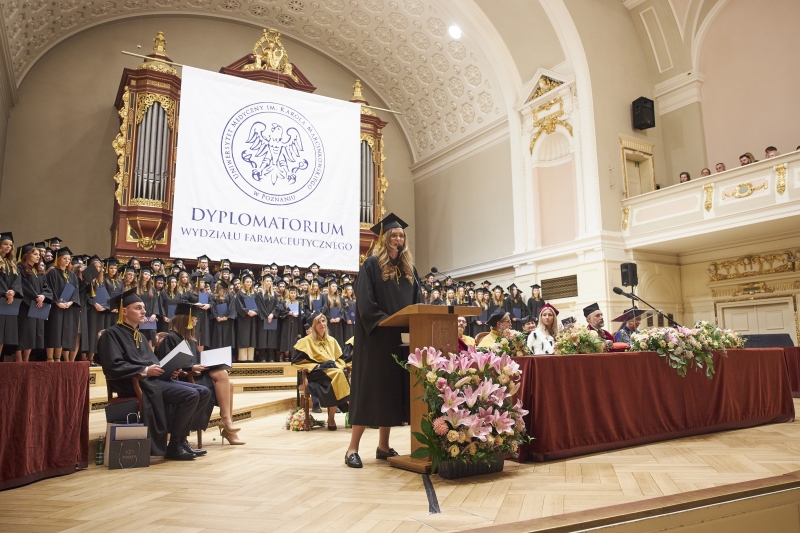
44	421
582	404
792	355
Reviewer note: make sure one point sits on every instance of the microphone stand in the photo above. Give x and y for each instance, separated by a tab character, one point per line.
416	279
669	320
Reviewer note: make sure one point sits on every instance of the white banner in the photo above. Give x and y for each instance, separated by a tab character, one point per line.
265	174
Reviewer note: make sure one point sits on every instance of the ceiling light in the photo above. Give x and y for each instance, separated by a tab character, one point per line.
454	31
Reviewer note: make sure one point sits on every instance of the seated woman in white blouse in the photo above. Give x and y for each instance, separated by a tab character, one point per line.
543	338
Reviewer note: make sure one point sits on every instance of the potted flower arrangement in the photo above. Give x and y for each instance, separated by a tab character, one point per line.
579	339
473	420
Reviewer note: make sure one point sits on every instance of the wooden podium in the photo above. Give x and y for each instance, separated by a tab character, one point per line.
428	325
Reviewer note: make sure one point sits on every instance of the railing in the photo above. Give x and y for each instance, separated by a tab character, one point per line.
768	190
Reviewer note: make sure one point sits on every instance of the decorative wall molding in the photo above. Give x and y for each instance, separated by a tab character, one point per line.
655	33
678	91
630	4
755	265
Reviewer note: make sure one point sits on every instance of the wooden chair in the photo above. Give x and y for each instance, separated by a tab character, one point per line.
479	337
188	376
303	398
136	388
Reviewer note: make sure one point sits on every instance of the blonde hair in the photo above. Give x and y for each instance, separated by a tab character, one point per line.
9	263
313	334
388	270
540	327
494	298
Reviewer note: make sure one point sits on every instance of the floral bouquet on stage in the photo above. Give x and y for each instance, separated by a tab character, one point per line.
683	348
579	339
512	343
295	421
720	339
472	415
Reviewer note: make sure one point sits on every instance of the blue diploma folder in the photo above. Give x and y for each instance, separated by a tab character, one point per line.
66	294
334	311
202	298
101	296
271	326
42	313
171	311
250	303
351	314
222	310
295	308
148	325
517	312
9	309
316	305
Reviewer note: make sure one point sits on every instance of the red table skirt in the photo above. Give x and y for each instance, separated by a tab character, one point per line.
44	421
582	404
792	355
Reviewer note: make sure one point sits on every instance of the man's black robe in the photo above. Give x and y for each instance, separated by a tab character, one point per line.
379	394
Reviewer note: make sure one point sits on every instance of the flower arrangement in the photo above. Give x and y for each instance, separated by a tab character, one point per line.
720	338
512	343
472	414
295	421
579	339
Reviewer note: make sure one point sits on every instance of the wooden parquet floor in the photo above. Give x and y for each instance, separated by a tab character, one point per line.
284	482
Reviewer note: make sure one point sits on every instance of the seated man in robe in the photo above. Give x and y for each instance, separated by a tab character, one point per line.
499	321
321	356
463	340
631	318
124	353
594	318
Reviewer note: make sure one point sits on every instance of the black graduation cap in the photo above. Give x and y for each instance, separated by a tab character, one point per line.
25	248
76	259
183	309
148	270
267	276
225	270
273	265
309	322
348	285
156	260
479	290
535	286
128	268
497	288
436	288
63	251
430	275
486	282
171	277
390	221
196	277
437	283
202	257
6	236
295	267
246	276
281	282
512	286
629	314
313	265
450	288
124	300
92	272
132	259
471	284
589	309
308	273
48	264
53	240
40	245
159	277
222	283
221	261
292	288
109	261
175	263
496	316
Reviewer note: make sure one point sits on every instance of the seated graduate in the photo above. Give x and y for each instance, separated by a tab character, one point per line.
320	354
499	321
631	319
542	340
124	354
435	298
594	318
464	340
215	379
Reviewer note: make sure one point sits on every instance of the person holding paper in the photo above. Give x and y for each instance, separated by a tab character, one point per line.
152	304
36	297
246	321
313	300
223	315
349	303
291	322
516	307
202	308
10	291
333	308
321	356
269	331
61	328
96	305
478	323
214	379
114	287
170	298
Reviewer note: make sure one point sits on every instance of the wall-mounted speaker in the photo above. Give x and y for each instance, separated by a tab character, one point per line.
643	112
629	276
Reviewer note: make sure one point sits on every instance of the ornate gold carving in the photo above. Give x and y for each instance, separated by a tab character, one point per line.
143	241
709	189
754	265
548	124
625	212
157	84
367	111
357	91
781	171
120	146
743	190
144	202
159	50
364	225
271	55
145	100
544	85
751	288
383	184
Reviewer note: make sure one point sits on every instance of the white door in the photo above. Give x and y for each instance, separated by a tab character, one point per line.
767	318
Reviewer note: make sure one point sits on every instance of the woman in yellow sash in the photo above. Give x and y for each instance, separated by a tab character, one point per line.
320	354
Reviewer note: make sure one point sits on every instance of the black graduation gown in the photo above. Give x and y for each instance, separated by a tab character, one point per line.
83	315
349	329
223	333
61	328
152	306
246	325
335	329
291	327
202	329
95	321
114	287
476	328
535	307
510	305
379	394
9	325
201	417
268	305
308	306
31	330
166	301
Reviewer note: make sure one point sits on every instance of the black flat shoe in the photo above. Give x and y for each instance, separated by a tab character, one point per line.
332	427
353	460
179	454
316	408
380	454
188	447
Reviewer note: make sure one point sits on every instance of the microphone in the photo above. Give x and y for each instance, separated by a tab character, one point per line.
400	249
434	270
619	291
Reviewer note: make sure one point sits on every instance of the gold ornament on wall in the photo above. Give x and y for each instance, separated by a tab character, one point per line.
781	171
270	54
709	190
743	190
145	100
544	85
548	124
754	265
625	212
159	50
121	149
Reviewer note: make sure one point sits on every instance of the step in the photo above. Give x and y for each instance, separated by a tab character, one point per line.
96	376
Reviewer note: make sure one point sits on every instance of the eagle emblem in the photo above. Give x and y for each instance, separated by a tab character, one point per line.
274	154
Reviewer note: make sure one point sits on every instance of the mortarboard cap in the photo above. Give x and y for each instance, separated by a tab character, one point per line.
629	314
497	288
6	236
109	261
25	248
63	251
183	309
589	309
512	286
52	240
390	221
204	257
40	245
159	277
535	286
147	270
156	260
496	316
125	299
313	265
548	306
273	265
128	268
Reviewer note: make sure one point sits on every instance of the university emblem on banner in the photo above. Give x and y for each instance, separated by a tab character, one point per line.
272	153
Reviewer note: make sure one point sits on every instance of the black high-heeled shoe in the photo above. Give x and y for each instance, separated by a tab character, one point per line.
353	460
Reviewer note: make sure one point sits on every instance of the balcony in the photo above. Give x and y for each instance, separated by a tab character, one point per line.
757	201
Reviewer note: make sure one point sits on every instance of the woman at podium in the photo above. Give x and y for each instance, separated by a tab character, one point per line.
386	283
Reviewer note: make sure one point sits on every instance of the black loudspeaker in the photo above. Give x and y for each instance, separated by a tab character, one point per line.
643	113
629	275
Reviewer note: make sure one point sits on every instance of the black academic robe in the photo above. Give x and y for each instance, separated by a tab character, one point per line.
437	301
61	328
201	416
83	315
335	329
349	329
223	333
308	304
268	305
291	327
202	329
522	309
9	325
166	302
152	306
476	328
246	325
31	330
114	287
95	320
535	307
379	394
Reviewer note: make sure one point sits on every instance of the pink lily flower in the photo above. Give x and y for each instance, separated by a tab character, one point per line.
487	388
518	408
441	383
464	362
482	359
434	356
486	415
478	429
471	397
463	381
458	417
415	359
503	423
514	388
451	399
